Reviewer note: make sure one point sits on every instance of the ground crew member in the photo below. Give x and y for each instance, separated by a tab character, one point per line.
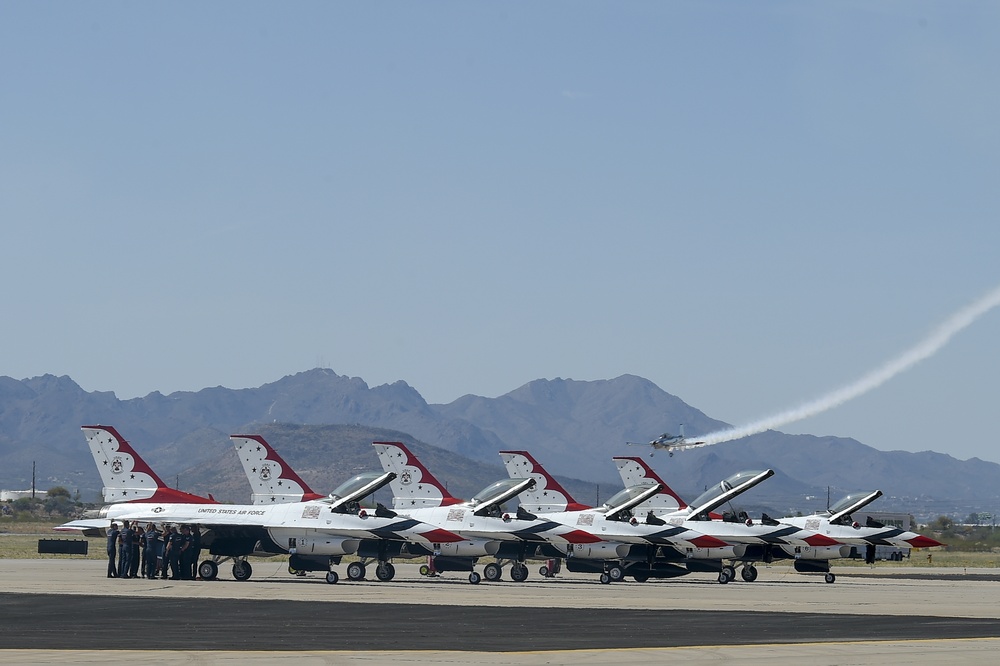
161	550
196	554
112	546
124	549
187	552
151	539
138	541
174	554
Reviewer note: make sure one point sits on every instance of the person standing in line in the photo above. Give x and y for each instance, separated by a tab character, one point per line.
112	547
176	542
124	549
195	551
187	550
161	549
138	552
149	560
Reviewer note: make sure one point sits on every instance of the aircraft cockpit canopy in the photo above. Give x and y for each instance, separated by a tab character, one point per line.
724	486
623	496
493	490
848	501
354	484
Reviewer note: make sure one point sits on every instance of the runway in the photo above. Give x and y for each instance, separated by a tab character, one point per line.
57	605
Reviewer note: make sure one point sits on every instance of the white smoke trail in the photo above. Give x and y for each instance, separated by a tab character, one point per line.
927	347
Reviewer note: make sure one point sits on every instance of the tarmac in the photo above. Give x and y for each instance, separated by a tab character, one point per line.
66	610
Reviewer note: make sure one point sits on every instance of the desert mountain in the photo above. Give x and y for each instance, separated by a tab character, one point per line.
573	427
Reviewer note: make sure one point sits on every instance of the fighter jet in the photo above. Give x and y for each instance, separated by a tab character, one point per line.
332	526
639	522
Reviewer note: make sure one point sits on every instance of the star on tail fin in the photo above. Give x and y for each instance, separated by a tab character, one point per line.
413	486
548	496
273	481
635	472
126	476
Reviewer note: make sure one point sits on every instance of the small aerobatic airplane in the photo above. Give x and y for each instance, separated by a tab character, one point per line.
670	443
334	525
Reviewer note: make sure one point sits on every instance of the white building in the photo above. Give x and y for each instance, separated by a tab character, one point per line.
11	495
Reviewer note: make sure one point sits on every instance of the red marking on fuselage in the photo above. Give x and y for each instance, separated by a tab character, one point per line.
708	541
579	536
439	535
820	540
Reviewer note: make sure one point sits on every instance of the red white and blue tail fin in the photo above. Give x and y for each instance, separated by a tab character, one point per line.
272	480
635	472
548	496
413	486
126	476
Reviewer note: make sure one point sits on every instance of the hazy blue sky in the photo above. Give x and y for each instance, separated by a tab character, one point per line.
747	203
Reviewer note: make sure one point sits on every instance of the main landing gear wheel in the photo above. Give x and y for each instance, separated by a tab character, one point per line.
640	577
723	577
385	571
605	579
493	572
242	570
519	573
730	571
356	571
616	572
749	573
474	578
332	577
829	578
208	570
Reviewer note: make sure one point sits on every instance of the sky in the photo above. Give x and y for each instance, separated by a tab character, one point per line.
749	204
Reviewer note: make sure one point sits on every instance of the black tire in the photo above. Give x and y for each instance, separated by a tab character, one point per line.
518	573
208	570
830	578
332	577
543	571
749	573
616	572
493	572
385	571
356	571
730	571
474	578
242	570
425	570
723	577
605	579
640	577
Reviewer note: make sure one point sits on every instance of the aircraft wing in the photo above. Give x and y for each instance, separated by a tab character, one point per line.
91	527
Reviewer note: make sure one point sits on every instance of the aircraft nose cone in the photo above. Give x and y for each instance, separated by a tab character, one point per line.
920	541
821	540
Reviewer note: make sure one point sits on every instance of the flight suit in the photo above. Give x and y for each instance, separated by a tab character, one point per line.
112	546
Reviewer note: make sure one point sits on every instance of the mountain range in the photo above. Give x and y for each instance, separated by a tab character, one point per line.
573	427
